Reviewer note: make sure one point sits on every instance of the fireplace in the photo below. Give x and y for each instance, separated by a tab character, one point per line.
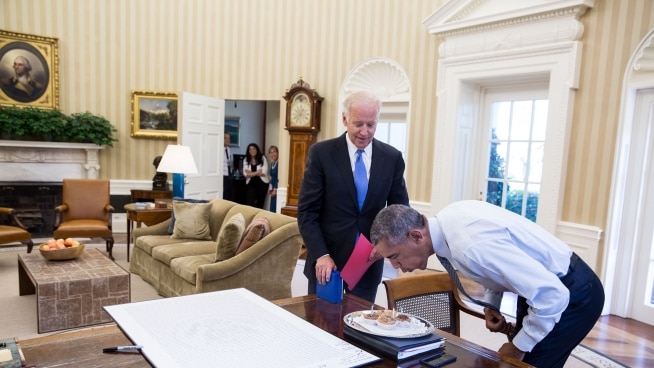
34	204
31	178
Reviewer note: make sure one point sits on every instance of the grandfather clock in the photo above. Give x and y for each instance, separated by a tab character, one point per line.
303	125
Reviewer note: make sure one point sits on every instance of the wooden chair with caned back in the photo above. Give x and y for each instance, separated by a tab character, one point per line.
431	296
14	231
86	211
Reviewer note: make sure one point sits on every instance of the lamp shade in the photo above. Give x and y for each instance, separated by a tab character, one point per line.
177	159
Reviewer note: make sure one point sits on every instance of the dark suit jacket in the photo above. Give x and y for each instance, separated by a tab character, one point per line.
328	213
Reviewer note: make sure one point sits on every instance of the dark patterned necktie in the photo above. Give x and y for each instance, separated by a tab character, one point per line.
360	178
450	269
229	166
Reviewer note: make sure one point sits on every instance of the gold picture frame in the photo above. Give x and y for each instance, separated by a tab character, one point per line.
154	115
233	128
29	70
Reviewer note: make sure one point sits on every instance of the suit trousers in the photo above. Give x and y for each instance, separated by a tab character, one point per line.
584	308
255	192
227	188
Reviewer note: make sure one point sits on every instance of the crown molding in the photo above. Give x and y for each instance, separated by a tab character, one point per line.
464	16
644	59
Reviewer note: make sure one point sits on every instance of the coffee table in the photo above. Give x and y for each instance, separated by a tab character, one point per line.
71	294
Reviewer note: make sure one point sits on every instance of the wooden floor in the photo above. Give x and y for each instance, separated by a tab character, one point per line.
624	340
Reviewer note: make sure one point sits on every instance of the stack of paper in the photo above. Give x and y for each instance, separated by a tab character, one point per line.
230	328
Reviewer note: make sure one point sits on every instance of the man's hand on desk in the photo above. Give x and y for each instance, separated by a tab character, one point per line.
511	350
324	267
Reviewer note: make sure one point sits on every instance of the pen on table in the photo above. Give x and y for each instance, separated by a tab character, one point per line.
122	348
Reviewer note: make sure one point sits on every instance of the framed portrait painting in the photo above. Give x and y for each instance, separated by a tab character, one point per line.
29	70
154	115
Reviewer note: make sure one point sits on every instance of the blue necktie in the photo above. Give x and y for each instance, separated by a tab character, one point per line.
360	178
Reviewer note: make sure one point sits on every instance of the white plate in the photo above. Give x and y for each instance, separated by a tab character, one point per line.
417	328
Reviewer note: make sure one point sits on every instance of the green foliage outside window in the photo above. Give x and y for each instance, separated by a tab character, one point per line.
494	189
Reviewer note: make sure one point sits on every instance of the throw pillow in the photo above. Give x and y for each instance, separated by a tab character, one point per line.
254	232
171	227
192	221
229	237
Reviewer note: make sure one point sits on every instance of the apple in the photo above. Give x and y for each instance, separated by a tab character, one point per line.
52	242
75	243
68	242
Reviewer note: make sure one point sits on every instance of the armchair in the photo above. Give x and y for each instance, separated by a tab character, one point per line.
86	211
17	233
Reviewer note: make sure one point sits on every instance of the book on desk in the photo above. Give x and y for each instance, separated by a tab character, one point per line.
395	348
11	355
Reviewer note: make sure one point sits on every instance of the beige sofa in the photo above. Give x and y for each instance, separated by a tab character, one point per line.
181	266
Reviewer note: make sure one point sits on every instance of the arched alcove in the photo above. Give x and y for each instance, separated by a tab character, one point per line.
384	77
629	225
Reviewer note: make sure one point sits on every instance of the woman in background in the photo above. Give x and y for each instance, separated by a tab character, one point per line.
255	168
273	153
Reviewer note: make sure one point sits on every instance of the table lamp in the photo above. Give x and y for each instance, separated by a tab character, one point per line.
179	161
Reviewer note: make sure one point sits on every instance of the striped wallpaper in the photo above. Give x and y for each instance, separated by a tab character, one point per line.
255	49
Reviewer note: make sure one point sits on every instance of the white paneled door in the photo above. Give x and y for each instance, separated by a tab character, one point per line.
201	127
642	301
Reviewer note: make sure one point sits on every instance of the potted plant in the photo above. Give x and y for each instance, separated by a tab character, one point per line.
33	124
85	127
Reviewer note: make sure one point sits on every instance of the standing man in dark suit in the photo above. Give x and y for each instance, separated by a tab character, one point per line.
329	216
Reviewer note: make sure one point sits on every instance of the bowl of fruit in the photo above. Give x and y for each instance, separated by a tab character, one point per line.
61	249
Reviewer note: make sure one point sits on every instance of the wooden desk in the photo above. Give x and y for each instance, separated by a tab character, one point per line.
329	317
84	348
147	216
81	348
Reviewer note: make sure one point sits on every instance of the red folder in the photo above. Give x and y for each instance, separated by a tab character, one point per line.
358	263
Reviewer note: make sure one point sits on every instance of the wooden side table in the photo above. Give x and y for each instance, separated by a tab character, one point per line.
143	195
147	216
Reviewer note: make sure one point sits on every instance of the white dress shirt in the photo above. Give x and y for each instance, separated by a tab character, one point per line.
227	161
503	251
366	155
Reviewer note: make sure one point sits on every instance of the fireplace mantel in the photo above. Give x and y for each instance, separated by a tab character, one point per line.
48	161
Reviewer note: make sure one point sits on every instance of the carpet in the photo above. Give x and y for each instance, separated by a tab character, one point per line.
594	358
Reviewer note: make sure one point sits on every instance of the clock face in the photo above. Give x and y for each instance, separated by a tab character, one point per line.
300	111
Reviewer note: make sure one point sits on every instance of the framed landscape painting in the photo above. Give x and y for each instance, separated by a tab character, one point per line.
154	115
232	126
29	70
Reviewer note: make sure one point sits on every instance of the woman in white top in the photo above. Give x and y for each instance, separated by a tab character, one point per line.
255	168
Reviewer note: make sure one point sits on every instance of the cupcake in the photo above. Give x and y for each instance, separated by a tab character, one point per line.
403	320
386	321
370	317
